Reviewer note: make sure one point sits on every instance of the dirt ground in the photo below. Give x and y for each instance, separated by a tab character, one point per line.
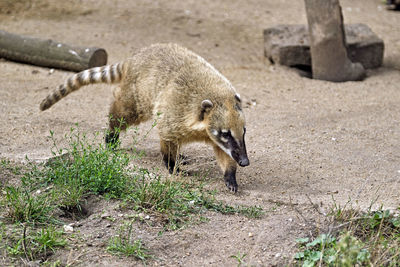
308	140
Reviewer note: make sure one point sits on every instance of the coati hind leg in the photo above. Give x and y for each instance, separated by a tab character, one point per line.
169	151
122	114
228	166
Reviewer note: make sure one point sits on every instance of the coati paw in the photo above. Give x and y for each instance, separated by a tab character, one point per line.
172	169
170	165
232	186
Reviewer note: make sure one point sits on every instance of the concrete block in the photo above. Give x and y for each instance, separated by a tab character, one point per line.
289	45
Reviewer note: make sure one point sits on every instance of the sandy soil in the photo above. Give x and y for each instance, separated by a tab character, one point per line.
307	140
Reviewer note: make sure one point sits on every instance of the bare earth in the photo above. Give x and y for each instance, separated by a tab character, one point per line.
308	140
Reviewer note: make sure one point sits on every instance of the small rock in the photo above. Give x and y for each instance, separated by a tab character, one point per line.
277	255
68	229
105	215
51	71
147	217
250	234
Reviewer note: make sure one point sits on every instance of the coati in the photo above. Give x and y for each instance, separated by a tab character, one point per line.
192	100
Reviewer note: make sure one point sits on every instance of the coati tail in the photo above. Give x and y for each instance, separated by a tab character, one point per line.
106	74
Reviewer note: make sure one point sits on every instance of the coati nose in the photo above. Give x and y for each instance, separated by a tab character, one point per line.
243	162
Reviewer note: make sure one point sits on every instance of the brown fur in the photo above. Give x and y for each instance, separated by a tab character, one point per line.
191	100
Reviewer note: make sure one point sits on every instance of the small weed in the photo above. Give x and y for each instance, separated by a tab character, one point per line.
122	244
239	258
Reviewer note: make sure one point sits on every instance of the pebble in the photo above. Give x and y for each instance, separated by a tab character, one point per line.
105	215
68	228
250	234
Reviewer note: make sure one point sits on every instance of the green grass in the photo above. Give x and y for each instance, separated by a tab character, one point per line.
23	205
33	243
88	167
8	165
123	244
359	238
239	258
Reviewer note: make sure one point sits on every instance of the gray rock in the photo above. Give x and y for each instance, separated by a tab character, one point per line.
364	46
289	45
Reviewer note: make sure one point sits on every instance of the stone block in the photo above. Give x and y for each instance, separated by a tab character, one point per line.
289	45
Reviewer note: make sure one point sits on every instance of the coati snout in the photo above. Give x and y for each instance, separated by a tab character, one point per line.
235	148
188	97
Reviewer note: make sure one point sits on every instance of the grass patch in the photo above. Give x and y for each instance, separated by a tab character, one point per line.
123	244
358	239
88	167
178	201
25	206
33	243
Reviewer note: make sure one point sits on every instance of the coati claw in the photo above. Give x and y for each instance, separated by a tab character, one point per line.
230	180
232	187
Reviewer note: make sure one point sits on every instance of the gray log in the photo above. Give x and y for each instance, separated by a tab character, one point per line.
49	53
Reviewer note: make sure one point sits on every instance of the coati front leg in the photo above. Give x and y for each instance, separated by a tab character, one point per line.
169	151
228	166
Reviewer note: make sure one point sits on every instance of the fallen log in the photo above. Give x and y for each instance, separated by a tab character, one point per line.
49	53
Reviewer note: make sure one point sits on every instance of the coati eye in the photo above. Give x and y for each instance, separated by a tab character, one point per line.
225	133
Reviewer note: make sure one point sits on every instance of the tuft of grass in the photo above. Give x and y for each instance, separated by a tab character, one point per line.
123	244
254	212
25	206
93	167
35	244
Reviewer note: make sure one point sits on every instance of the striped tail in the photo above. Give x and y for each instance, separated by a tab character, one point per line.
106	74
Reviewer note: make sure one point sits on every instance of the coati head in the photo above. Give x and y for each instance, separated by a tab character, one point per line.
226	126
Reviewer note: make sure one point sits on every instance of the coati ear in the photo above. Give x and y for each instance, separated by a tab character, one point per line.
206	105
